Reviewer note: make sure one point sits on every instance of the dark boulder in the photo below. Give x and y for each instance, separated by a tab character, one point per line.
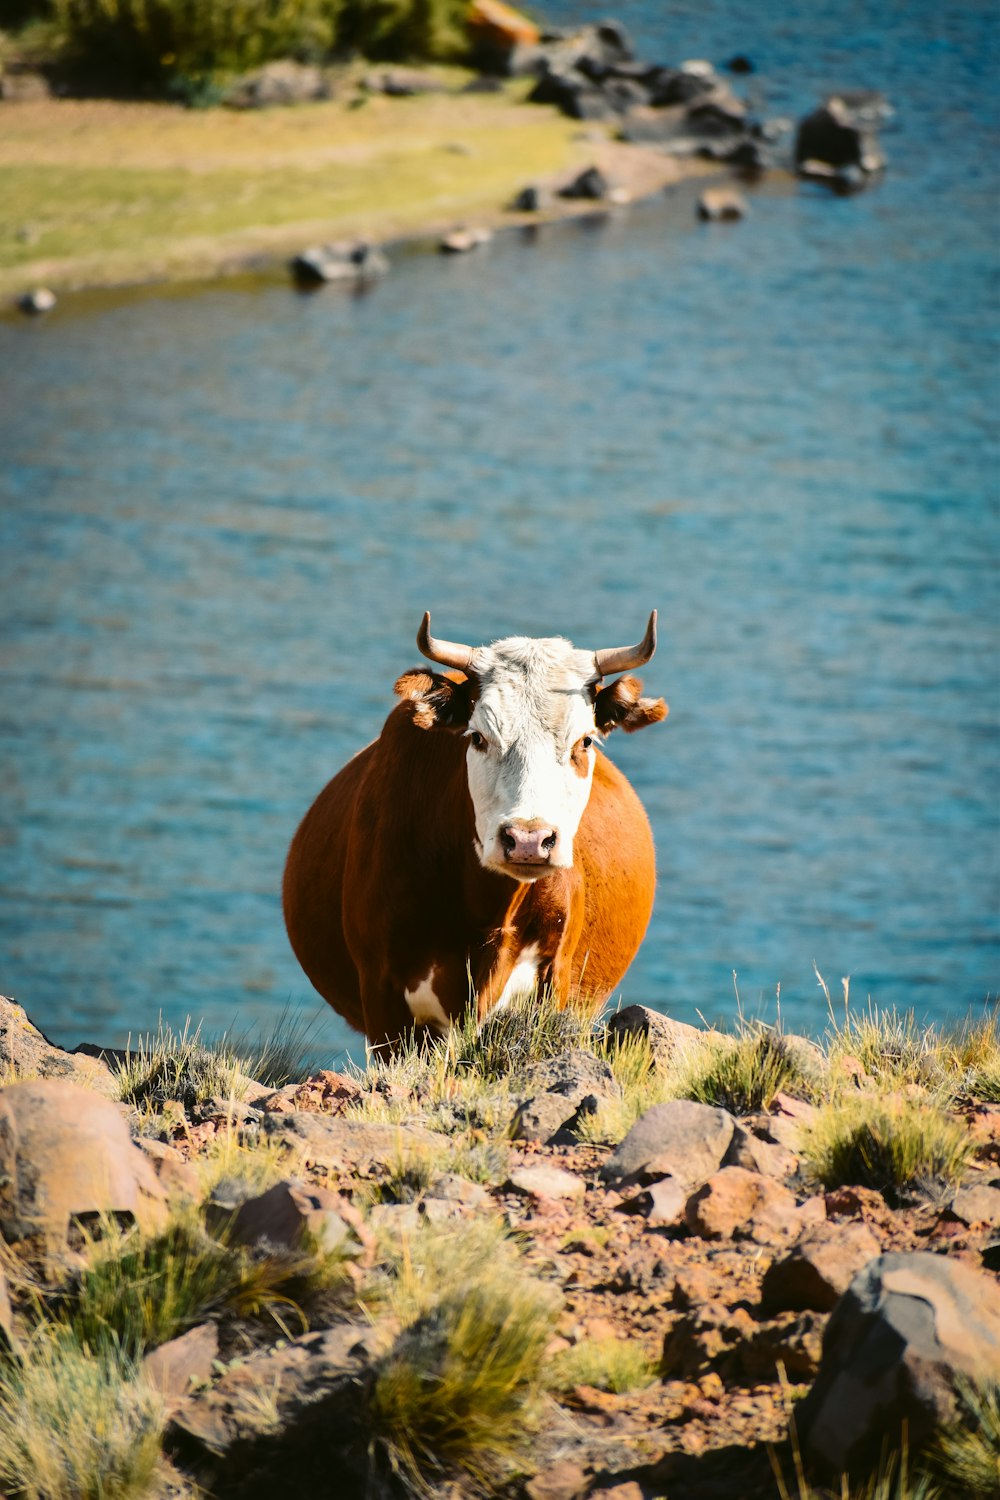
354	261
591	184
840	135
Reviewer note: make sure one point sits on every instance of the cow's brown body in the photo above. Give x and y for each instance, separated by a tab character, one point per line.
384	892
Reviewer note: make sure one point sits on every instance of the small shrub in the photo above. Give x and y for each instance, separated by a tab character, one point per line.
531	1027
457	1392
743	1073
891	1046
972	1058
617	1365
75	1425
141	1292
400	29
890	1143
966	1458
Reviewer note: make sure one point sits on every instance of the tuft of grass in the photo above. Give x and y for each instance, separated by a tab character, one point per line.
533	1026
744	1073
972	1058
459	1391
179	1065
258	1161
966	1458
892	1143
643	1080
75	1425
140	1292
617	1365
894	1049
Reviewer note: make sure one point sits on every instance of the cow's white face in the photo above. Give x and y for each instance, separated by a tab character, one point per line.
531	740
532	712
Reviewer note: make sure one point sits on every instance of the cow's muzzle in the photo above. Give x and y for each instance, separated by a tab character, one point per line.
528	842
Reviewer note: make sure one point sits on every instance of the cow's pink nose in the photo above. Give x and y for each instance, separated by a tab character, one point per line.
527	843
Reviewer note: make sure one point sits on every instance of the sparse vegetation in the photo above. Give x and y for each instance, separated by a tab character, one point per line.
528	1029
75	1424
460	1388
743	1073
965	1459
892	1143
617	1365
139	1292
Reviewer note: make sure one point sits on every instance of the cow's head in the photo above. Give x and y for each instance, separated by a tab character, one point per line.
532	712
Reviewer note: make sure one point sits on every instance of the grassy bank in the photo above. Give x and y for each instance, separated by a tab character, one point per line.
96	192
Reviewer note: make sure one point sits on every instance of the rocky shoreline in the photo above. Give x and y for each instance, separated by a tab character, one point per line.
545	1261
645	126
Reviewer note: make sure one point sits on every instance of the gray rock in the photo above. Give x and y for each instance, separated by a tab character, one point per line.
277	83
451	1188
542	1118
977	1205
288	1215
531	200
665	1035
679	1139
290	1411
66	1158
590	184
395	1219
26	1052
906	1329
838	142
759	1155
347	261
546	1183
819	1269
346	1145
174	1367
721	205
403	83
572	1075
461	241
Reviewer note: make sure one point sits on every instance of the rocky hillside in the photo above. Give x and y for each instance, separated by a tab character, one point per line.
546	1260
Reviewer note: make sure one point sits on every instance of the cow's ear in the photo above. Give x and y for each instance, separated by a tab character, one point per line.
621	706
441	700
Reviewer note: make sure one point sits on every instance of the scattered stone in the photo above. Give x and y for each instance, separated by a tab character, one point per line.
679	1139
346	1145
546	1183
403	83
851	1202
738	63
66	1159
327	1093
572	1075
278	83
24	87
24	1051
288	1215
395	1219
451	1188
354	261
741	1204
819	1269
530	200
665	1035
542	1118
564	1480
719	205
838	142
175	1367
749	1150
591	184
662	1202
977	1205
792	1342
177	1177
461	241
907	1328
281	1413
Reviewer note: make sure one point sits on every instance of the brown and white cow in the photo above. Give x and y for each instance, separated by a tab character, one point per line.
482	843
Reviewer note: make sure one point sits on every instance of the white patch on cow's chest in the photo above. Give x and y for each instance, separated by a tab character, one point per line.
425	1007
522	977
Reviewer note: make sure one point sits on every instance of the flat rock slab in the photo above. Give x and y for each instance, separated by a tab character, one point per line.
547	1183
26	1053
347	1145
292	1410
908	1327
65	1155
679	1139
820	1268
175	1366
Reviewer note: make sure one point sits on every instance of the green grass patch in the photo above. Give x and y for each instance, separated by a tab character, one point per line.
75	1425
743	1073
965	1458
891	1143
139	1292
618	1365
459	1391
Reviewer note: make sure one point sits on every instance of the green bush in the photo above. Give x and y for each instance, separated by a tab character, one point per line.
893	1144
155	42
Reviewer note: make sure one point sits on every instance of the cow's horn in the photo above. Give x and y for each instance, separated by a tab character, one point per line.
623	658
448	653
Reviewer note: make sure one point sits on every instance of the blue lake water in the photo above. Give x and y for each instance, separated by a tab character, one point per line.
225	508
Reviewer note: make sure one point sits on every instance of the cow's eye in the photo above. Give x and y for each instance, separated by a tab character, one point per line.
588	740
478	741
